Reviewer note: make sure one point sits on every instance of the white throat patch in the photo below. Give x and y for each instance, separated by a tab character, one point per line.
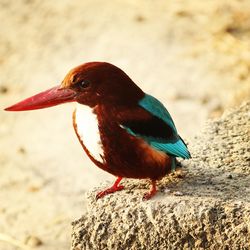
88	131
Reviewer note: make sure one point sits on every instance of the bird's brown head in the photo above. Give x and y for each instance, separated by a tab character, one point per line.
91	84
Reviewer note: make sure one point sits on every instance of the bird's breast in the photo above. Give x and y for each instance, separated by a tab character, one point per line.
86	127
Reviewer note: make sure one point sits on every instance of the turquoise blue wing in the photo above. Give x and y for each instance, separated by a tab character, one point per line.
159	131
177	148
156	108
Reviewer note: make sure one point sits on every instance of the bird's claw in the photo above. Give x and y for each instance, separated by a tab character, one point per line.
148	196
151	192
109	191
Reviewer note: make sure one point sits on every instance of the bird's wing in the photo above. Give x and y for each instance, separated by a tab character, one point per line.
158	130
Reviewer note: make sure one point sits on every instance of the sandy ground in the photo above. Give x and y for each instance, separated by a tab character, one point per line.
193	56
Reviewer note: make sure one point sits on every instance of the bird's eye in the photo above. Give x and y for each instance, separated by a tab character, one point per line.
83	84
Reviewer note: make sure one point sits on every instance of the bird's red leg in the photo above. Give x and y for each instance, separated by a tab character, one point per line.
114	188
152	191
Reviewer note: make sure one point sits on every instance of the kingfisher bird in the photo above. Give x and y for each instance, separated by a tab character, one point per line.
123	130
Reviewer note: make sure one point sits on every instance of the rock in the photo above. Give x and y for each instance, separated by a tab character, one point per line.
33	241
4	89
212	212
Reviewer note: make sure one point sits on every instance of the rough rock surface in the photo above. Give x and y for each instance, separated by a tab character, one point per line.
204	206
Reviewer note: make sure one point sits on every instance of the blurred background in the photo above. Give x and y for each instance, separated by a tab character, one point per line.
193	55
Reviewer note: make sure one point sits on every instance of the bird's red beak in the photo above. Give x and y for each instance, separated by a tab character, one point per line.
45	99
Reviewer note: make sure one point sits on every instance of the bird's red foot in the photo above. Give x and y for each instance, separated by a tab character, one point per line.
109	191
152	191
112	189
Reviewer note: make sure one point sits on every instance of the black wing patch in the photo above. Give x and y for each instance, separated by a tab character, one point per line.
153	127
